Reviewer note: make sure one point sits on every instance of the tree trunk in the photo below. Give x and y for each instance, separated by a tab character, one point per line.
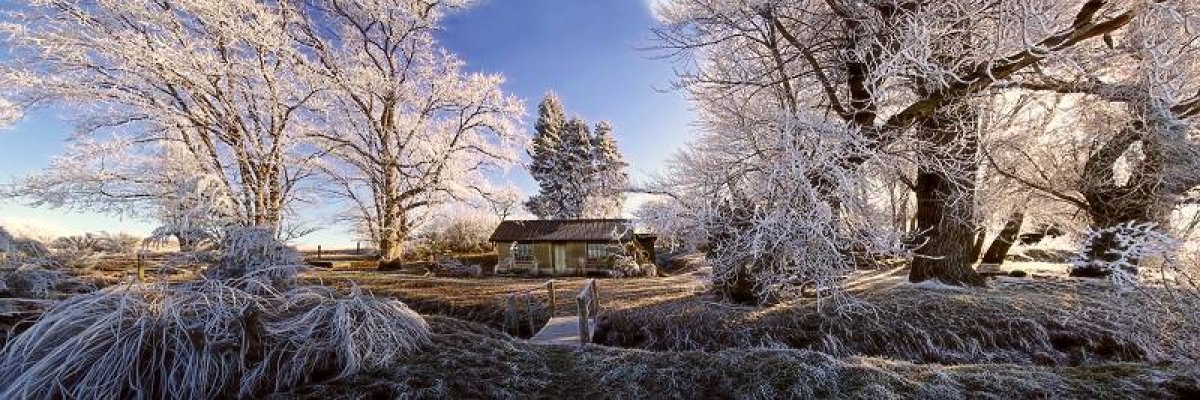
391	252
978	247
998	250
944	213
946	199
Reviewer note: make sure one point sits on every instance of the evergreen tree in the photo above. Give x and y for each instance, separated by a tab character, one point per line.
610	180
576	167
578	174
544	154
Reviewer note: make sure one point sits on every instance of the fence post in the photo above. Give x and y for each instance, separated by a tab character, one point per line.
510	313
529	310
318	252
141	267
582	303
553	305
357	247
595	298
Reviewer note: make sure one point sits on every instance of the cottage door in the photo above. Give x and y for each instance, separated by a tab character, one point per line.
560	258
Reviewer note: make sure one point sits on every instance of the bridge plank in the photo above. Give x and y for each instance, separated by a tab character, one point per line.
562	331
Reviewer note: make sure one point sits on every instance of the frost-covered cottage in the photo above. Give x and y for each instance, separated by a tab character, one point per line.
570	246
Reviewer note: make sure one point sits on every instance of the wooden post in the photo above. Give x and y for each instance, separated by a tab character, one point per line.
553	305
582	303
141	267
595	298
529	310
318	252
357	247
510	313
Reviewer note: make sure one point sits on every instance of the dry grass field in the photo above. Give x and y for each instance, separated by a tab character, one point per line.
1043	336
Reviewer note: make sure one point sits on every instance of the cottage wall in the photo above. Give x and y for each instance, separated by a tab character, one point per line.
543	257
577	262
503	250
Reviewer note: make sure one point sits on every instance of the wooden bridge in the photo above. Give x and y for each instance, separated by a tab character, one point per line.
565	331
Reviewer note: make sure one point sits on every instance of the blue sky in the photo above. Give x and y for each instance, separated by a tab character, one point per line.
587	51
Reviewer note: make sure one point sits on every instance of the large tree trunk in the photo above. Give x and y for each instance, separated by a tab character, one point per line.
944	221
392	235
946	200
998	250
391	249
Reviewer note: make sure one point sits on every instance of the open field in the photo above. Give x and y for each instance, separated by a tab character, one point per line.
1045	336
1046	319
482	300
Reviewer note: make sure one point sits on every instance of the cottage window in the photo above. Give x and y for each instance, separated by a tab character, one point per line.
523	252
597	251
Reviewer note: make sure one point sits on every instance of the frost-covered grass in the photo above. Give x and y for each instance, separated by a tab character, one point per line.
1045	321
483	300
203	339
467	360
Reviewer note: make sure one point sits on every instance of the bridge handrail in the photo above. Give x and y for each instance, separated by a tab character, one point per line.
588	305
513	312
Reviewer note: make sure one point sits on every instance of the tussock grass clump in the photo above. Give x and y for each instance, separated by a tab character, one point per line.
202	339
29	281
37	281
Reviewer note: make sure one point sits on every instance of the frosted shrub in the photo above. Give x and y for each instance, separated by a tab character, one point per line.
204	339
461	232
625	266
450	266
30	281
29	270
649	270
775	208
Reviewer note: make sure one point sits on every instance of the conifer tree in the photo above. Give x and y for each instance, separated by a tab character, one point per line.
576	167
544	152
609	182
578	174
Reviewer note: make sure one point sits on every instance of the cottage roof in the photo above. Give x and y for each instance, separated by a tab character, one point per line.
563	230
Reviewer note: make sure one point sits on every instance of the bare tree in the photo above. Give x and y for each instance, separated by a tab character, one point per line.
1126	148
214	80
909	75
408	130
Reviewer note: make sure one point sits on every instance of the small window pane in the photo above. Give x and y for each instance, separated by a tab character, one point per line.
597	251
523	252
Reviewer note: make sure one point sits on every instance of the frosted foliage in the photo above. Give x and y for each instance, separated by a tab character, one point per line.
907	79
753	207
9	113
254	255
580	173
608	185
29	269
461	230
1132	242
203	340
29	280
220	79
411	129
